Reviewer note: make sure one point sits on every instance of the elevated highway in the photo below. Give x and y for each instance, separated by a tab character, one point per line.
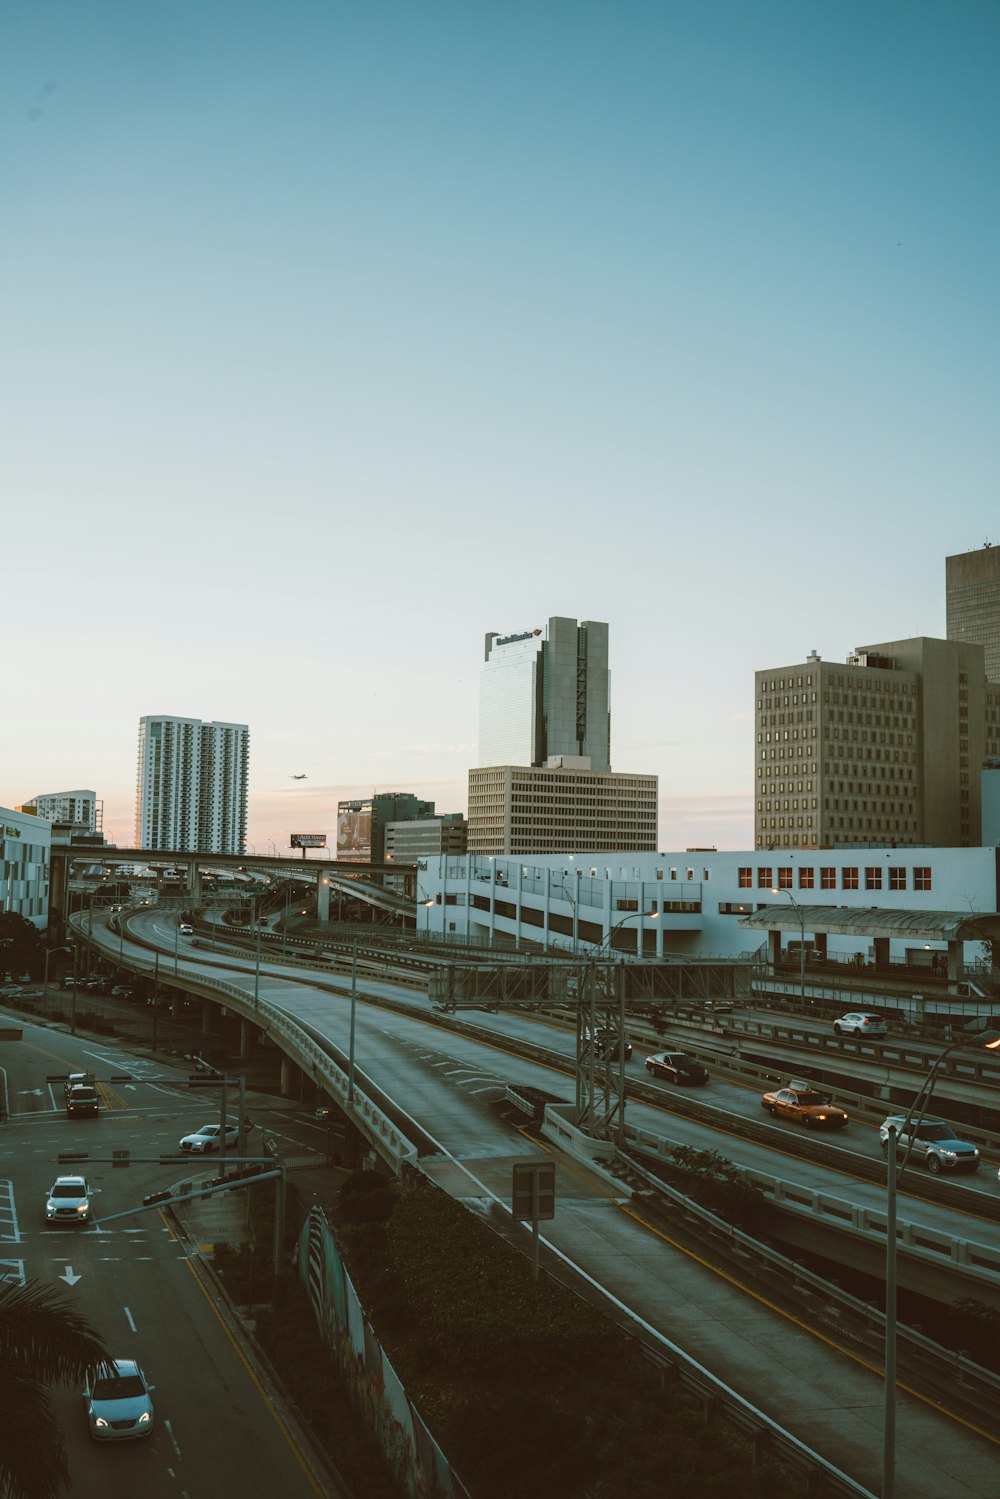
440	1081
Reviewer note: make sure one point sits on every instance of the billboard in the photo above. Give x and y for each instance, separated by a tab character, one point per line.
354	830
308	840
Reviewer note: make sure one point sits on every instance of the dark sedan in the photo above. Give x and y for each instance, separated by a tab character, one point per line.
676	1067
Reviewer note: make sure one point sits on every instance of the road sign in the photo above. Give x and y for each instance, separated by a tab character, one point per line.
534	1194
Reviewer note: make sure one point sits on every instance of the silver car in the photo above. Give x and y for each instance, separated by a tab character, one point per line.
935	1143
68	1200
208	1138
861	1023
118	1402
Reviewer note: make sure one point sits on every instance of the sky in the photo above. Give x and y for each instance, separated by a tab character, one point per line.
335	335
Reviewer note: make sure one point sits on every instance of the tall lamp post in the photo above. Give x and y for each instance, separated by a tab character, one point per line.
984	1041
802	941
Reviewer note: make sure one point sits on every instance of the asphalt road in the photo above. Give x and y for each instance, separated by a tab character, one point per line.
219	1429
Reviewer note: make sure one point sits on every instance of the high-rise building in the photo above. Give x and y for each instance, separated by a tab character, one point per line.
972	602
79	809
563	807
191	785
546	692
425	837
884	749
361	823
544	782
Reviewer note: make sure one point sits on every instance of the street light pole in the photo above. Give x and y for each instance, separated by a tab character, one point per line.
802	942
986	1041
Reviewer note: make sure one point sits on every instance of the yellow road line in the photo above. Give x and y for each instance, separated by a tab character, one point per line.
763	1300
269	1403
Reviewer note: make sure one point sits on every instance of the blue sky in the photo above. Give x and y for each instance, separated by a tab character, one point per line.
335	335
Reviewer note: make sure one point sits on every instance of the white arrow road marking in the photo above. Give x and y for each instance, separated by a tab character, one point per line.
69	1277
30	1093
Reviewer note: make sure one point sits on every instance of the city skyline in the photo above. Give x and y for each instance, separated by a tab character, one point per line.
342	338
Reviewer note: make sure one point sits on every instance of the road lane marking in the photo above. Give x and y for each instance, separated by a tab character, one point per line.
130	1319
268	1402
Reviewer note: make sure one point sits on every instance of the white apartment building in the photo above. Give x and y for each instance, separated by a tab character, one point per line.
191	785
78	808
25	845
690	904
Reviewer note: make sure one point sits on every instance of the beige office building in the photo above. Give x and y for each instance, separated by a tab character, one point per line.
562	807
425	836
886	748
972	602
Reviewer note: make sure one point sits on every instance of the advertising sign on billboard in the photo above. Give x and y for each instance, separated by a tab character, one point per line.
354	830
308	840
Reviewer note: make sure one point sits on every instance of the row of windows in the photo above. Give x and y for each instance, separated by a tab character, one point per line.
849	877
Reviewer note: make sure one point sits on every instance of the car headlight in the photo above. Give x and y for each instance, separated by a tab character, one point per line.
144	1419
951	1154
100	1421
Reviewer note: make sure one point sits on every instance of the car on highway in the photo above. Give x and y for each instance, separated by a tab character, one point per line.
861	1023
75	1080
68	1200
806	1105
118	1402
676	1067
935	1143
208	1138
186	930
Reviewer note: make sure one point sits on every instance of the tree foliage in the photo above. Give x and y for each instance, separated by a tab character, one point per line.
22	947
43	1341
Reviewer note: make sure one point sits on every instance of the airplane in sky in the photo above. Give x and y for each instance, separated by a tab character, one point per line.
298	778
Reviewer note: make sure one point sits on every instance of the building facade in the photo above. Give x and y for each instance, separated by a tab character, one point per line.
25	847
406	842
361	823
79	809
546	692
563	806
690	904
883	749
191	785
972	602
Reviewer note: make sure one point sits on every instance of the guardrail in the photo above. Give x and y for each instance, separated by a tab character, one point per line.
395	1148
934	1365
932	1246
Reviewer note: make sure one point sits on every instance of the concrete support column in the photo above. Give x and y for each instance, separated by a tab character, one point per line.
609	886
194	882
881	946
774	948
956	967
206	1018
286	1086
546	907
493	900
323	897
246	1037
517	914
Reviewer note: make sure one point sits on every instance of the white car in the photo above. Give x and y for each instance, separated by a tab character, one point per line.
117	1401
861	1023
68	1200
208	1138
186	930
